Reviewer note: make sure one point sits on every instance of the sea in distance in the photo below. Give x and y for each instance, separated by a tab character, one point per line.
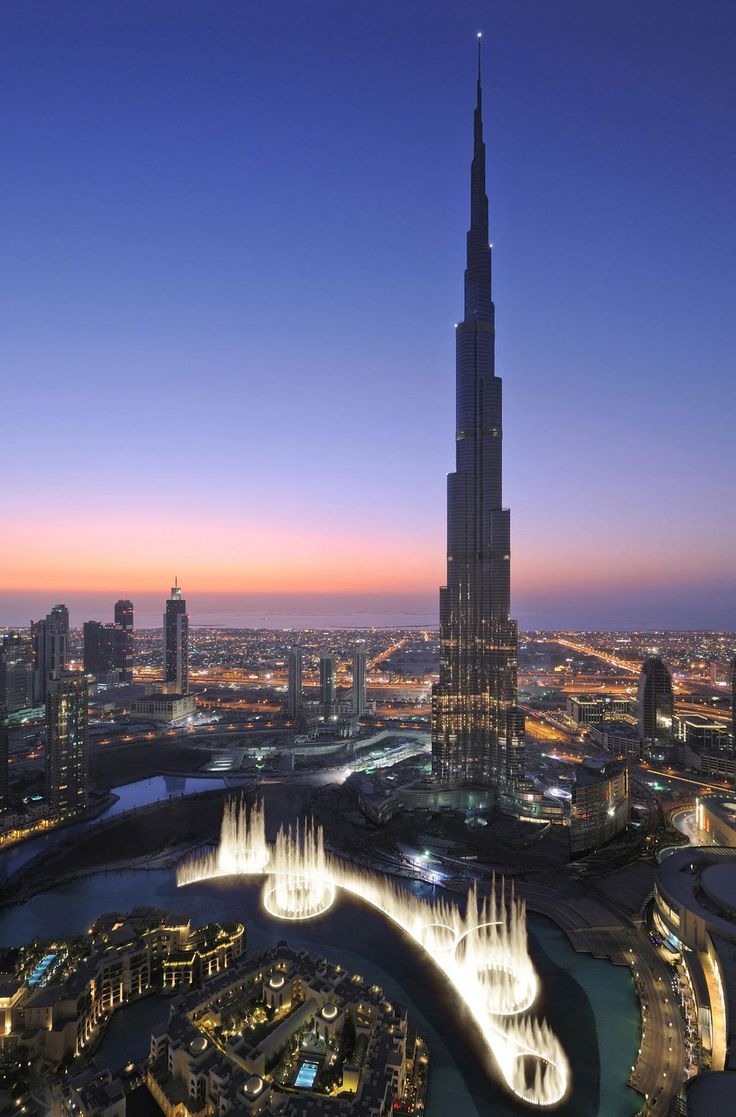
245	610
573	608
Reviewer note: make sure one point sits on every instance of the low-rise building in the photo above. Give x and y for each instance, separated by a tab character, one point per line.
59	1012
164	707
620	738
286	1033
600	805
695	912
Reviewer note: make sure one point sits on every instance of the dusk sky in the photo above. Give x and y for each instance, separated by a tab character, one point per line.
232	239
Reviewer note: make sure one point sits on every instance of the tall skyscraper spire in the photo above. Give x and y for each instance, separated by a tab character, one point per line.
477	731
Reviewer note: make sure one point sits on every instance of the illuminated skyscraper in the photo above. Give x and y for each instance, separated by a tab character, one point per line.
67	756
16	671
176	642
732	681
4	743
477	731
359	670
294	693
125	647
656	702
327	683
50	648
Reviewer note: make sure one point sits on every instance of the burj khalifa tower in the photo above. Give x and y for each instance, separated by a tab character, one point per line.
477	730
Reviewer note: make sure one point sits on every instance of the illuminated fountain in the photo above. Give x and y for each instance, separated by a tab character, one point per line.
482	951
242	848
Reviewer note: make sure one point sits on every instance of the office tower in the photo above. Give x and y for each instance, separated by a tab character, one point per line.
4	749
67	757
16	671
359	670
125	647
101	643
656	702
50	648
176	641
477	731
294	693
732	681
327	683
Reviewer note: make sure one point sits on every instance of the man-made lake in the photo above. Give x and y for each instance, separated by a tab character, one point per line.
590	1004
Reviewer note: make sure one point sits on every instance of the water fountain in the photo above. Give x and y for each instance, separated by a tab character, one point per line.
482	951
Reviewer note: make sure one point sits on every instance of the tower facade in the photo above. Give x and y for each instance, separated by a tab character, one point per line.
176	642
100	647
327	683
656	701
125	647
294	693
16	671
50	648
477	731
359	676
67	755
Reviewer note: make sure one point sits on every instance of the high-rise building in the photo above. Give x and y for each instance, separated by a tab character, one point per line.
359	677
656	701
732	681
176	642
16	671
126	646
4	749
101	644
67	756
294	693
50	648
477	730
327	683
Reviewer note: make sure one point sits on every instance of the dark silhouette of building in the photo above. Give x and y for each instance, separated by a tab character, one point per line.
360	664
477	731
732	681
126	646
176	642
67	756
50	648
4	749
101	644
327	683
656	703
16	671
294	692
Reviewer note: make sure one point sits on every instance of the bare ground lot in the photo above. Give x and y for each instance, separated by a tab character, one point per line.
113	765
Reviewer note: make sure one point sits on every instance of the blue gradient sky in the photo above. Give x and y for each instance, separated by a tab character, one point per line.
232	243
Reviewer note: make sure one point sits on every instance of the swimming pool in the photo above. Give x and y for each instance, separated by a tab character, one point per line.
306	1075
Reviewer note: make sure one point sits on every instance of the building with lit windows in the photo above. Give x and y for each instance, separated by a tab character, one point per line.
67	752
327	684
271	1033
656	706
16	671
695	912
295	667
359	679
715	819
176	642
50	648
125	652
477	731
600	805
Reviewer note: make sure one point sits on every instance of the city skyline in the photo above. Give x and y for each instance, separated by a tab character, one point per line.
193	284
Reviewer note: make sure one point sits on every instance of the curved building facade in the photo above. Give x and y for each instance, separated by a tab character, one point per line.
695	909
656	703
